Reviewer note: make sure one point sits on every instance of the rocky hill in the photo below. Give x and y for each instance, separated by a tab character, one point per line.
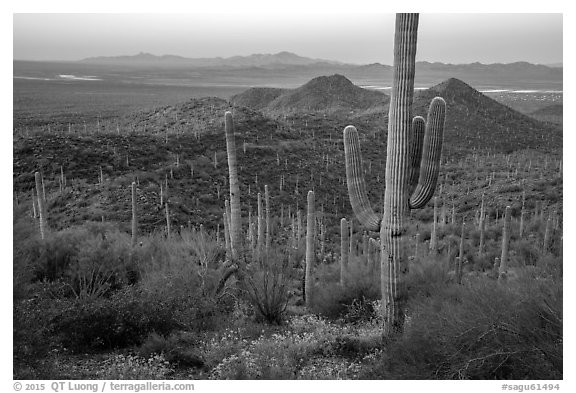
326	94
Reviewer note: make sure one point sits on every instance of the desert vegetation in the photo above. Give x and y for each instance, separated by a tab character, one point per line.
210	240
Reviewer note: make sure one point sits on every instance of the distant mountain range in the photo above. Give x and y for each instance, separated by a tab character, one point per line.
291	59
255	60
285	66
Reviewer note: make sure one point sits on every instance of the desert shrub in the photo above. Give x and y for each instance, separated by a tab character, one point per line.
484	330
130	367
331	300
91	259
268	282
527	253
124	319
178	348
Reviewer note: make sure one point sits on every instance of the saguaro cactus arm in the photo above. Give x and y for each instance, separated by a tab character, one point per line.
355	180
431	154
416	144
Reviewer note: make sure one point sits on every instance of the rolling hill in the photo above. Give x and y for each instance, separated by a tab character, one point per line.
326	94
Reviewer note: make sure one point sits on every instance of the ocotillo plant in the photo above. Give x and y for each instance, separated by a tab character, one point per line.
505	244
410	164
235	214
134	217
344	249
309	280
41	204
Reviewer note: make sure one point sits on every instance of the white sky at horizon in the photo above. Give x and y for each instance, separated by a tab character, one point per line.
359	38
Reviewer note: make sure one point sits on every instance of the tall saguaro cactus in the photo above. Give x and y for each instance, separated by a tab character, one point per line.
41	204
134	217
505	244
235	224
344	249
404	161
309	280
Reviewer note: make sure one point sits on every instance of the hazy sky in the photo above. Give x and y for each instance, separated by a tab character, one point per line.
354	38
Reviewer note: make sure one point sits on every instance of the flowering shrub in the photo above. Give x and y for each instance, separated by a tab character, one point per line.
134	367
310	348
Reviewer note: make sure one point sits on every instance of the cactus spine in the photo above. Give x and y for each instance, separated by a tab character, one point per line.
505	240
235	214
134	217
343	250
41	204
399	169
309	280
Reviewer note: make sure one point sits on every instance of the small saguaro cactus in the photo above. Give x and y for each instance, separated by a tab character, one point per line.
482	234
344	250
413	162
460	264
309	280
41	204
167	222
134	217
505	244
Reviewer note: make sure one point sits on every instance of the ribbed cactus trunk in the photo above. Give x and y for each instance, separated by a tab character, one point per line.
167	222
434	233
309	280
505	244
134	217
235	214
482	234
546	242
344	249
267	199
41	205
522	213
405	158
34	202
260	226
226	220
396	197
481	212
460	261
